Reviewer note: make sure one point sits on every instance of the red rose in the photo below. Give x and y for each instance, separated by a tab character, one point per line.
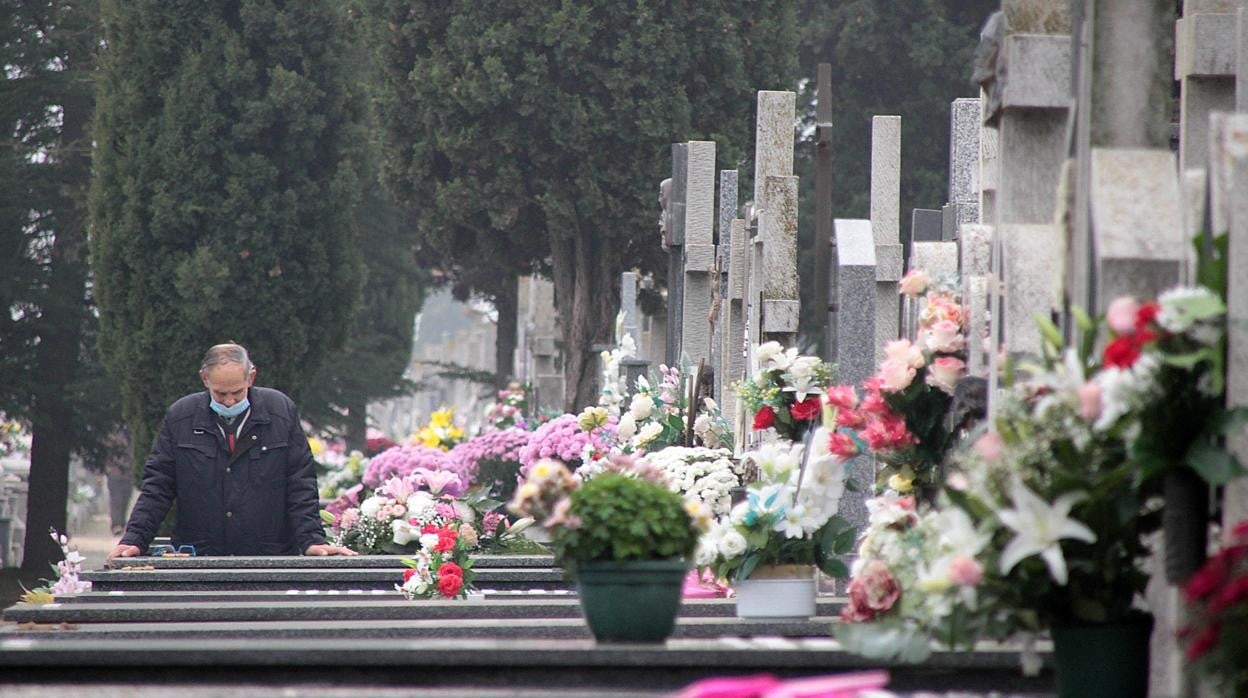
1240	530
806	410
450	569
428	528
446	541
842	445
450	585
1122	352
764	418
1146	315
407	574
1234	593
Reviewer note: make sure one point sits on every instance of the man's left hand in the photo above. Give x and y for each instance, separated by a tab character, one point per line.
323	550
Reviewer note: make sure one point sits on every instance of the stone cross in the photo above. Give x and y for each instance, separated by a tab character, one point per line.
698	251
773	156
723	255
732	318
779	294
885	211
989	166
857	289
824	248
674	241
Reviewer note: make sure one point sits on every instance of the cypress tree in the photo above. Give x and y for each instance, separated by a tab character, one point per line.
224	192
540	131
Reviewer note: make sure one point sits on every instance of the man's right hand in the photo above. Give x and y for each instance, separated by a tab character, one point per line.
122	550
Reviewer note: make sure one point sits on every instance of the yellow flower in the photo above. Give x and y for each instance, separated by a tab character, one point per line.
317	446
541	470
699	512
901	484
442	418
592	418
457	433
428	437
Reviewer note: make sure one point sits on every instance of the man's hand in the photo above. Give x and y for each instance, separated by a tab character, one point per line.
323	550
122	550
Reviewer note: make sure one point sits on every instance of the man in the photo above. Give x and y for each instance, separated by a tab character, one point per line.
238	463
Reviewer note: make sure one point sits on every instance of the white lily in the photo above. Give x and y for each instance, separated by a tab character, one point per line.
1039	527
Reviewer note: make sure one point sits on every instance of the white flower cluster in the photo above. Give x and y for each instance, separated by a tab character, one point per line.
707	475
613	382
797	372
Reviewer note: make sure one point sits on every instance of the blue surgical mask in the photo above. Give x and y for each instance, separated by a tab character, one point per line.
232	411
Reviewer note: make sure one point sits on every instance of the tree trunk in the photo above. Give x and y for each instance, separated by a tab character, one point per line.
357	426
584	275
506	303
60	334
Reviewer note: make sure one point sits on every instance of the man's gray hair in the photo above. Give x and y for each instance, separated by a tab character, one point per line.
226	354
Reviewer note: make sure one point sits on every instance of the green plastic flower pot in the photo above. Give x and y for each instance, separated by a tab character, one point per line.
1106	660
631	602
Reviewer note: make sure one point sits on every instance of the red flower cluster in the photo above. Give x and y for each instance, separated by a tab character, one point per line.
807	410
1124	350
450	579
1218	595
875	422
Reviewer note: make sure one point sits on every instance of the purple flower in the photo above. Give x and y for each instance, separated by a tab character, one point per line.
502	445
562	439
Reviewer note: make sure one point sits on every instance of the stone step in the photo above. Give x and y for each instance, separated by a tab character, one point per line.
558	665
287	595
338	609
329	562
139	579
544	628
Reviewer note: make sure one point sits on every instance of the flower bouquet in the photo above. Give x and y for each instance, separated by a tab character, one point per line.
442	567
1216	639
509	411
566	438
433	464
67	573
788	516
704	474
492	460
783	393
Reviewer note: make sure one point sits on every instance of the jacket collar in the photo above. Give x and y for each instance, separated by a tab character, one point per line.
206	420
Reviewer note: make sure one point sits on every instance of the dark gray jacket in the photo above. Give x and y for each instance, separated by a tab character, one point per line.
260	501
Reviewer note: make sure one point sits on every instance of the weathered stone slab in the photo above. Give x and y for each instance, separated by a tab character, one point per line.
975	250
1036	16
1204	45
964	127
243	579
926	224
1039	66
552	664
978	323
277	562
1137	223
1033	257
886	179
773	139
699	251
1235	497
325	607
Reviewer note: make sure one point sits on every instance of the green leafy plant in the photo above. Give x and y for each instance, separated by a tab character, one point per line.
626	518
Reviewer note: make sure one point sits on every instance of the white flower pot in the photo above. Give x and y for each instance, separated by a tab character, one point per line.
784	591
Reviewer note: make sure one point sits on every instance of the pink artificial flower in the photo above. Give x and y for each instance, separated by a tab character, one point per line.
1121	314
888	434
445	510
842	445
348	518
945	372
965	571
843	397
914	283
902	351
895	376
941	307
489	523
872	592
989	446
399	488
945	337
1089	401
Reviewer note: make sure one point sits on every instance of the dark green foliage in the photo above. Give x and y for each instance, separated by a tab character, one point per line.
224	192
521	133
627	518
888	58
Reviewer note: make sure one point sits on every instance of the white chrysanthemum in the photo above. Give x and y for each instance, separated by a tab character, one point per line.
369	507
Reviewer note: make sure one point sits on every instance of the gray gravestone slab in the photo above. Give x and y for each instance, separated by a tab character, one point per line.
779	294
773	140
1204	45
723	254
1032	259
964	127
549	664
628	306
674	240
856	338
1140	249
1194	190
325	607
954	216
926	225
886	179
277	579
1036	16
314	562
699	251
1205	58
938	259
1235	497
989	172
1241	61
1039	76
483	628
